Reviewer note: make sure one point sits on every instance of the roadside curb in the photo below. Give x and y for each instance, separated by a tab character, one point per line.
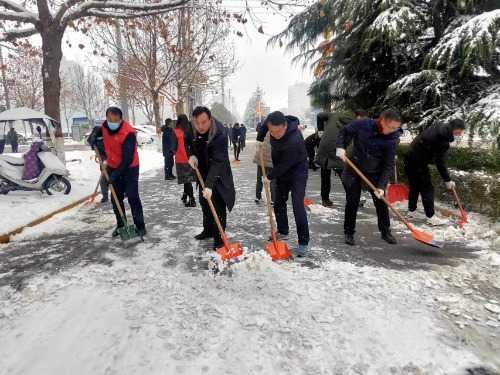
5	238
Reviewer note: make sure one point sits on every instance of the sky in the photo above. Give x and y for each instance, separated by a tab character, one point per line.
268	67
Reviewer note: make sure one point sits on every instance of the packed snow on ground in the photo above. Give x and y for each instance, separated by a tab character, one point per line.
18	208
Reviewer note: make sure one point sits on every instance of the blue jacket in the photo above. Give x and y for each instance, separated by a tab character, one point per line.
373	152
288	153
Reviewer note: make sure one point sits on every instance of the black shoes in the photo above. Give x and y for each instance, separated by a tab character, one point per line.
190	202
388	237
104	200
141	232
169	178
203	236
349	240
327	203
184	198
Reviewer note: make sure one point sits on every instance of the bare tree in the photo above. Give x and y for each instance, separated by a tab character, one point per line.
88	93
25	83
50	19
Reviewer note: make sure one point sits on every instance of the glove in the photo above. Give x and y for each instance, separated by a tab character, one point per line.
193	162
340	153
450	185
207	194
379	193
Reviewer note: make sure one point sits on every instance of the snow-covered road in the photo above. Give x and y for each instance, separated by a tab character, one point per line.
73	301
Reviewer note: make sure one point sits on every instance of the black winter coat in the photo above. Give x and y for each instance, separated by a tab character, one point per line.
212	152
288	153
431	147
373	152
167	140
312	142
96	141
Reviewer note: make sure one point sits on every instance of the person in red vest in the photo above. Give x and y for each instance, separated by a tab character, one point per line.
120	144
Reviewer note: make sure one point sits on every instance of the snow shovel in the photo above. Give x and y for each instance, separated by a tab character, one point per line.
229	250
127	232
425	238
463	219
277	250
397	192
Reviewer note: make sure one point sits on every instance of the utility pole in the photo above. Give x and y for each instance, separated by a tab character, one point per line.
119	56
4	81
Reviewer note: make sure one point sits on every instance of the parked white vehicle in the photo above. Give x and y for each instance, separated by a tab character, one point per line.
143	136
53	178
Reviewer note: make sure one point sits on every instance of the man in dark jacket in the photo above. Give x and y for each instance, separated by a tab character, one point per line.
330	124
243	130
211	158
237	135
168	147
374	151
13	138
430	147
120	145
96	142
312	143
289	156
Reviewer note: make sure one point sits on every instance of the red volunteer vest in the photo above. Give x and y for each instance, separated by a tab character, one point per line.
113	145
181	154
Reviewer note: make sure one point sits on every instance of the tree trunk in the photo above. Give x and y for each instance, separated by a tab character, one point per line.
51	63
4	81
156	109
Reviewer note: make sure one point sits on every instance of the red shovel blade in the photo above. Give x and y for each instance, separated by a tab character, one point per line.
426	238
278	250
397	193
230	251
308	202
463	220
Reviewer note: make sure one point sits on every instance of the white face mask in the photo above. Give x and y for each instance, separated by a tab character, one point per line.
458	138
320	134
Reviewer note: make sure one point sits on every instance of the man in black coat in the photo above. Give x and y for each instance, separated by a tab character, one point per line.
312	143
237	137
96	142
210	150
288	152
374	151
168	148
430	147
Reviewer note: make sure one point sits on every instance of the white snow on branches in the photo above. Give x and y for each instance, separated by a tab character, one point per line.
392	21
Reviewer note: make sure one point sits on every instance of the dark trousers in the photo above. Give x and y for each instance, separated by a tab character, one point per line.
169	164
209	225
297	187
14	147
326	183
237	150
103	183
260	186
419	178
2	145
311	154
128	183
352	186
188	190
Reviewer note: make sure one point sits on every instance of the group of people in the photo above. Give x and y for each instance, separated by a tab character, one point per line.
202	148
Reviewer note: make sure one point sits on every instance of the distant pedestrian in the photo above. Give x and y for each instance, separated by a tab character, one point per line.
237	141
312	143
13	138
2	140
168	148
183	149
243	136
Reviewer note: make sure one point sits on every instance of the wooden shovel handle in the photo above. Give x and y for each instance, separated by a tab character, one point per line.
374	188
268	196
104	171
460	206
214	211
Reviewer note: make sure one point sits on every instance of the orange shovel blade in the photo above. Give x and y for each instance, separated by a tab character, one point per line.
308	202
397	193
278	250
426	238
232	250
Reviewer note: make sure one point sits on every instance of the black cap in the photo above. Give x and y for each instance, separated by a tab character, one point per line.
276	118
